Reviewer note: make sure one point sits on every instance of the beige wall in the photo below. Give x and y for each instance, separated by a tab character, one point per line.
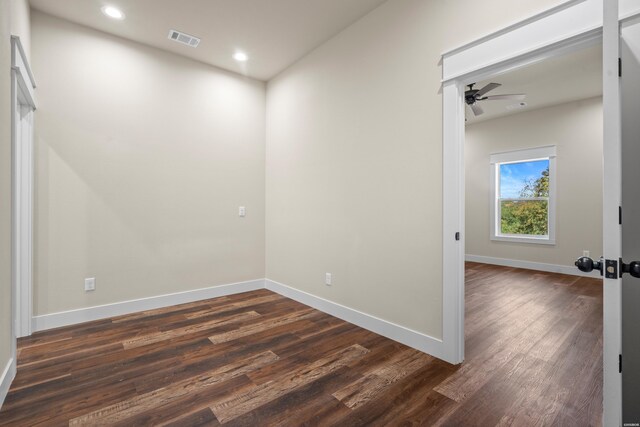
21	23
119	199
5	184
142	160
576	129
354	159
14	20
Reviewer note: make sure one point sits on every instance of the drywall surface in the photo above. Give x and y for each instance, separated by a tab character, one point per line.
354	159
575	128
14	20
143	159
5	185
21	23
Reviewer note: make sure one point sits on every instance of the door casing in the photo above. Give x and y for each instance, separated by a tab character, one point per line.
568	27
23	107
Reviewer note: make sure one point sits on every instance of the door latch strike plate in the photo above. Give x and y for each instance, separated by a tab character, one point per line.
611	269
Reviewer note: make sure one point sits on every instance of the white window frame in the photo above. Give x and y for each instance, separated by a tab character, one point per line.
518	156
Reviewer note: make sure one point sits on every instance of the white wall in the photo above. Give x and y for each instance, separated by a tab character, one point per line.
354	159
576	129
142	160
5	185
14	20
21	23
119	199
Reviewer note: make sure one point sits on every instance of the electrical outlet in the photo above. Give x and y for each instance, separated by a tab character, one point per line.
242	211
327	279
585	253
90	284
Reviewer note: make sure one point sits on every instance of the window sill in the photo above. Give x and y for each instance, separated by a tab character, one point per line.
522	239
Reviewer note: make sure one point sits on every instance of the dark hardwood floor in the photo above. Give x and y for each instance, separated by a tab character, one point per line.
533	348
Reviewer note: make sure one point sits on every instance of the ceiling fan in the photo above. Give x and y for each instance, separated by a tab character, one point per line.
472	96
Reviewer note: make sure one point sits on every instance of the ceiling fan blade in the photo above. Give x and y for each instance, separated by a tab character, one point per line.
515	96
477	110
487	88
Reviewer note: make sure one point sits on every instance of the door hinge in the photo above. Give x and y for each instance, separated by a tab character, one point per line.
620	215
457	235
619	67
611	269
620	363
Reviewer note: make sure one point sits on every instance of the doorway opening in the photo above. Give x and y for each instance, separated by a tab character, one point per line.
560	30
533	152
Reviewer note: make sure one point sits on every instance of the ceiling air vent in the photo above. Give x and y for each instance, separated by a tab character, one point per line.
183	38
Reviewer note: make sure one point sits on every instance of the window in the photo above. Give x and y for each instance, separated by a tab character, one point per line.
523	195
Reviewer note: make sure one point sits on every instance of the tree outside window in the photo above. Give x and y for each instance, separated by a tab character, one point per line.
523	196
527	214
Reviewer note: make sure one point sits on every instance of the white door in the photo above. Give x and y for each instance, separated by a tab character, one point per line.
612	202
610	266
630	81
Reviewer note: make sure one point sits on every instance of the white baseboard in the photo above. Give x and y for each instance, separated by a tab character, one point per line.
8	374
529	265
409	337
406	336
71	317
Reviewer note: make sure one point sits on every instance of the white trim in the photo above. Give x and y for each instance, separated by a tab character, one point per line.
409	337
453	222
6	379
561	37
20	65
531	265
22	108
545	35
521	23
519	155
572	19
71	317
23	174
533	240
581	41
611	200
495	214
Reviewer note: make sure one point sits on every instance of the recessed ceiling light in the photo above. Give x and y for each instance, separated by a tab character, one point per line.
240	56
113	12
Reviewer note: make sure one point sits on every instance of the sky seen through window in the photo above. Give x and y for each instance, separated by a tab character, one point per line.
514	176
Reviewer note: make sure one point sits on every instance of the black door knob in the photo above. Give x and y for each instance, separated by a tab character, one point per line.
587	265
633	268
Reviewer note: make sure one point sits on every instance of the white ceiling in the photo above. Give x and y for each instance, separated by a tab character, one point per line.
551	82
274	33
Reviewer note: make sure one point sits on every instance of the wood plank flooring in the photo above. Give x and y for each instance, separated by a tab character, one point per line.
533	357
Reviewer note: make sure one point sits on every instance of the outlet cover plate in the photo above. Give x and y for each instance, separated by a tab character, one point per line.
328	279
